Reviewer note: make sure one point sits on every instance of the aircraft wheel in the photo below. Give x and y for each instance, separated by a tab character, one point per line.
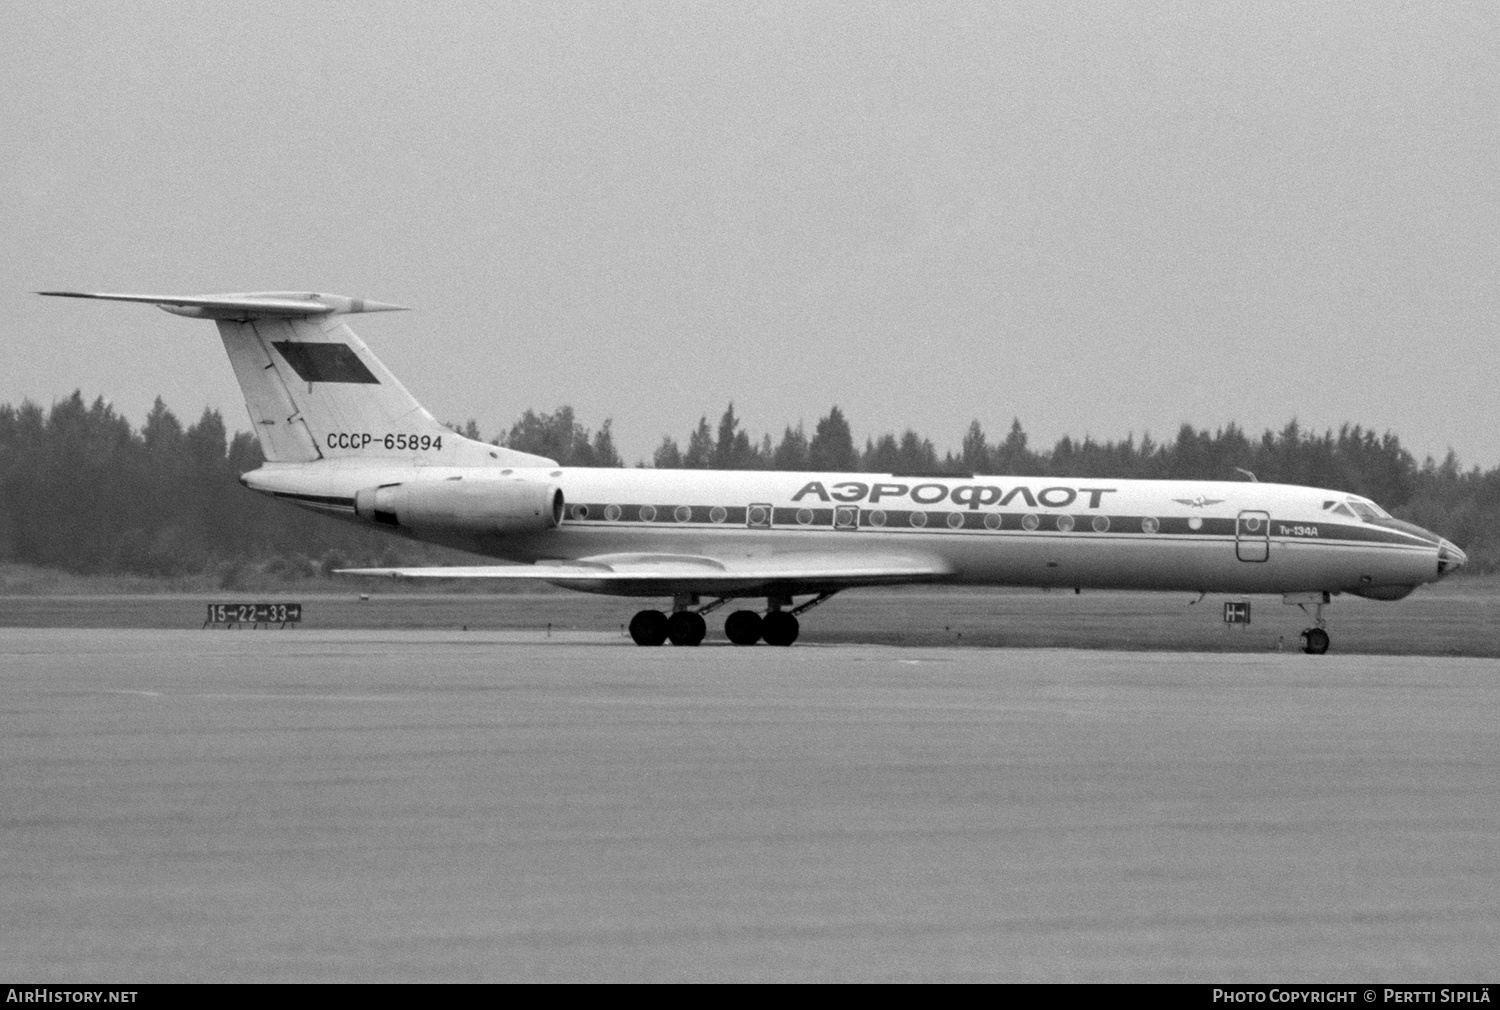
686	628
743	627
649	627
1315	641
779	628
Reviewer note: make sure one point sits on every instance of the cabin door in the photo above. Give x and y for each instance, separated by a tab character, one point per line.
1252	536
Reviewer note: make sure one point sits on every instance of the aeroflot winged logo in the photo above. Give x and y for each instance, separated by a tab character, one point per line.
1198	502
971	496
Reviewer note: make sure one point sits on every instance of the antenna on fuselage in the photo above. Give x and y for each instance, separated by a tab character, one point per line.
1247	473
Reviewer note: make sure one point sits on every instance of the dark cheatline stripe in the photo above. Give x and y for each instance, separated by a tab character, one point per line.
938	522
788	516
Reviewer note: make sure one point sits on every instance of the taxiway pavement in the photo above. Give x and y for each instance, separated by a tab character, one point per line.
369	806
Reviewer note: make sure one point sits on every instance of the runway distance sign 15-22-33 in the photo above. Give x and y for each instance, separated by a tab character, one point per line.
254	613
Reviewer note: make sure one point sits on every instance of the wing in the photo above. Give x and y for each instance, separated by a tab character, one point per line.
669	574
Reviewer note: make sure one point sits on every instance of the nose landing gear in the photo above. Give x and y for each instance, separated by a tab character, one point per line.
1315	640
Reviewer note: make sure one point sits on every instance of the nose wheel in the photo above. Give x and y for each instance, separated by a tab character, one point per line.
1315	641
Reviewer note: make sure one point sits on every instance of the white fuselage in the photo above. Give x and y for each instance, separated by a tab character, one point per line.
1231	537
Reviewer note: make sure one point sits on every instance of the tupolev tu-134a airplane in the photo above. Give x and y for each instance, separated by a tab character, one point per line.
343	437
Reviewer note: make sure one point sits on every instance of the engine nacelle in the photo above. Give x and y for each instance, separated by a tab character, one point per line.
479	505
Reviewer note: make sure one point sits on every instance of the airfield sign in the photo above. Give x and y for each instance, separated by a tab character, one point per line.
254	614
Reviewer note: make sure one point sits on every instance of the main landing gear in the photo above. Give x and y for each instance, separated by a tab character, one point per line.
652	627
744	627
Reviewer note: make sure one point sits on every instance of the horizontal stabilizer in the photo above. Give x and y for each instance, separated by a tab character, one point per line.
253	305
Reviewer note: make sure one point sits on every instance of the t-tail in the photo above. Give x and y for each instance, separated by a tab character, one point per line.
313	389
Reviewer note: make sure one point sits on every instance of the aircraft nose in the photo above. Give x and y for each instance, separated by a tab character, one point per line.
1450	559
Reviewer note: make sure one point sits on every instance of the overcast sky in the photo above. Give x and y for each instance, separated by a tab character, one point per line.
1103	219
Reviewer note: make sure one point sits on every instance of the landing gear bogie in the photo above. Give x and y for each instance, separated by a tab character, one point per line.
652	627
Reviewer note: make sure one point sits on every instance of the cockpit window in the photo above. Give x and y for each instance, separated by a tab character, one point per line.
1368	511
1343	510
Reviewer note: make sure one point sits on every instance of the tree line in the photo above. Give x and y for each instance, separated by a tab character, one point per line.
1463	505
83	490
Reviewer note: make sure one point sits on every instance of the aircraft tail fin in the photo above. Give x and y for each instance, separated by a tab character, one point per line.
314	390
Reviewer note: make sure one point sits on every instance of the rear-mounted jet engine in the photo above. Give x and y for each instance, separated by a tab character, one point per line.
479	506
